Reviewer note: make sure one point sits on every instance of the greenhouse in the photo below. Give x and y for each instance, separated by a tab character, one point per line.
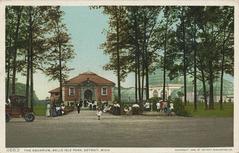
174	88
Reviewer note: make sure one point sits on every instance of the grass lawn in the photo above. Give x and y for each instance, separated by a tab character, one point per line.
39	109
201	112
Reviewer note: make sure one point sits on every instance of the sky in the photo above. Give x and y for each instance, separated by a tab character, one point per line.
85	27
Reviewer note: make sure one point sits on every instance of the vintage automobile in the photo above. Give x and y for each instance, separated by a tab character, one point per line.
17	107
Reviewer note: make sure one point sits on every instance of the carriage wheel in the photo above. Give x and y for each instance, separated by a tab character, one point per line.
29	117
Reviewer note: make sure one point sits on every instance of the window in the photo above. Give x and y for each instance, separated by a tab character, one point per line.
71	91
104	91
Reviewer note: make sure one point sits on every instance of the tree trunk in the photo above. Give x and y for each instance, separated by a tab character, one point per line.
204	89
118	60
136	84
211	98
164	59
137	54
139	82
222	72
221	87
184	60
31	65
60	78
15	51
195	69
28	77
195	83
138	66
31	86
164	78
144	65
8	57
142	89
8	78
29	58
147	77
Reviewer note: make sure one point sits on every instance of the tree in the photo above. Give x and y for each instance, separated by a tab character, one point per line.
37	21
176	35
184	56
191	15
143	22
9	45
166	42
60	51
18	11
199	36
31	32
150	16
136	26
227	28
209	38
115	43
211	24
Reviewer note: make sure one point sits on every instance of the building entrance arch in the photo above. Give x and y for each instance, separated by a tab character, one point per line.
88	94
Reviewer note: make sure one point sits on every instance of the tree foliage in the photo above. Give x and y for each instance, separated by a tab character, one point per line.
184	41
32	37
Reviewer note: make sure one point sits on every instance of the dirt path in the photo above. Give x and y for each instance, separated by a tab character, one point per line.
84	130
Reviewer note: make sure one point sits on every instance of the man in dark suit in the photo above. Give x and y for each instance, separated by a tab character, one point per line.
78	107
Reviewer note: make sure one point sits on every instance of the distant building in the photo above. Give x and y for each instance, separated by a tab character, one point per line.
86	86
156	84
127	94
227	91
173	87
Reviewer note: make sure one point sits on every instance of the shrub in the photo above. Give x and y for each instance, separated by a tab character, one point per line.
39	109
179	108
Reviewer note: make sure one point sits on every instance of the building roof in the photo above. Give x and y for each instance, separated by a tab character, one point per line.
85	77
156	79
55	90
91	77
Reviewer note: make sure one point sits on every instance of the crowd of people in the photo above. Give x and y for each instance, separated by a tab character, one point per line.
103	107
164	106
55	110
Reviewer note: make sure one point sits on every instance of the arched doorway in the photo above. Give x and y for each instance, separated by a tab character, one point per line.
155	93
87	97
88	94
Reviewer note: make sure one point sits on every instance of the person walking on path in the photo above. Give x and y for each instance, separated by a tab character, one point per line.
158	106
171	107
78	108
98	113
48	110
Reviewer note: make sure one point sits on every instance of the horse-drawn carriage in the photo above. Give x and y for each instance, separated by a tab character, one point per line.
17	107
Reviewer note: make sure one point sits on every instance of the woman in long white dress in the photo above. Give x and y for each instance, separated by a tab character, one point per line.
48	108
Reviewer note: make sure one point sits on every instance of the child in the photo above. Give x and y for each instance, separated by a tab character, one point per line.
62	109
158	106
98	113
